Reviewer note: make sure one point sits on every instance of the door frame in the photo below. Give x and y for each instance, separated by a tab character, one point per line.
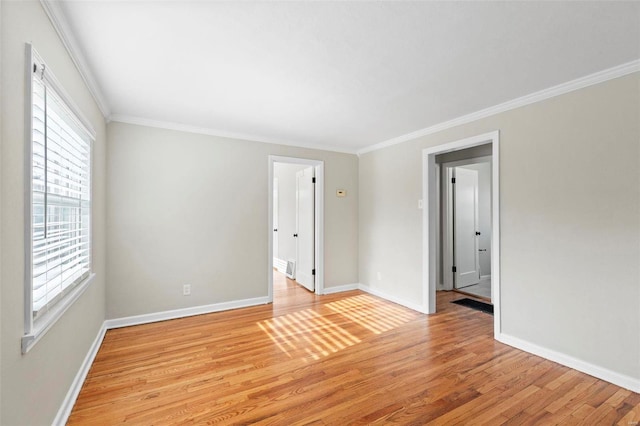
318	220
430	214
447	216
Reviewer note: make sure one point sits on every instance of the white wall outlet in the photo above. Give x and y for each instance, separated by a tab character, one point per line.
379	276
186	290
420	204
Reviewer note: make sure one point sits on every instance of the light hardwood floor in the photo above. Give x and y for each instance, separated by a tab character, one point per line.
348	358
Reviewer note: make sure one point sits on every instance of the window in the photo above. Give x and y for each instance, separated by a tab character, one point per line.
58	257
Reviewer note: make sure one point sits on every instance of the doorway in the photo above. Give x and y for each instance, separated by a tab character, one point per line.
466	223
295	221
431	246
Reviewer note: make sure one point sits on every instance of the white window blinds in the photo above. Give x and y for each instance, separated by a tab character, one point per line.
60	196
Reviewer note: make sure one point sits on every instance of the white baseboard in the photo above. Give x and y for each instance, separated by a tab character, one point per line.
485	277
627	382
390	298
280	265
70	399
341	288
184	312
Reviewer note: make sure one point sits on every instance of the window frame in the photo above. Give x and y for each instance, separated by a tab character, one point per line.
35	328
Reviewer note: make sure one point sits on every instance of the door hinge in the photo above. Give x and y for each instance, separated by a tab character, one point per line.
453	180
313	180
453	269
313	272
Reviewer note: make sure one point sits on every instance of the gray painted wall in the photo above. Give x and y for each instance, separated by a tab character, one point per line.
192	209
34	385
286	174
570	234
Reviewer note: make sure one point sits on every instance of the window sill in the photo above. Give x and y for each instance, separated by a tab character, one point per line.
44	323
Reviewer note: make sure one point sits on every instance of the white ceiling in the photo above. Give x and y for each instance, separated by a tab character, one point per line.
338	74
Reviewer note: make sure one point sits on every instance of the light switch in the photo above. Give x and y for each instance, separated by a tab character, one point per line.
341	193
420	204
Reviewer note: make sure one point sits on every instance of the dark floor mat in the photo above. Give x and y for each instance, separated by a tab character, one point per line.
474	304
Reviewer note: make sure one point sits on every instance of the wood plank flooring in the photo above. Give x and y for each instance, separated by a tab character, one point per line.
347	358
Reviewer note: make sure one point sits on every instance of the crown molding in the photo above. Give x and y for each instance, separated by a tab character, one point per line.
140	121
60	24
560	89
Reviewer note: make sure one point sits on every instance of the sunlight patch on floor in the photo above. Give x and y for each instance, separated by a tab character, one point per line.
308	332
311	335
371	314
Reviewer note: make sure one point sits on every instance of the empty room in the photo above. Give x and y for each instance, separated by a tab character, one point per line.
319	212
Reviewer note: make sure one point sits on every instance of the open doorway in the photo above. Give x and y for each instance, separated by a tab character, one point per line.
466	224
295	223
432	242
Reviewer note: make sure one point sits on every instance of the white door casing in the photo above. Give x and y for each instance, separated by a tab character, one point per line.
305	206
465	224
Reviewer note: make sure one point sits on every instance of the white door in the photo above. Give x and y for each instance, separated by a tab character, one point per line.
465	228
305	225
275	219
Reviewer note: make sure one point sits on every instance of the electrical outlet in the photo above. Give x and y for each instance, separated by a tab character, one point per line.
186	290
379	276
